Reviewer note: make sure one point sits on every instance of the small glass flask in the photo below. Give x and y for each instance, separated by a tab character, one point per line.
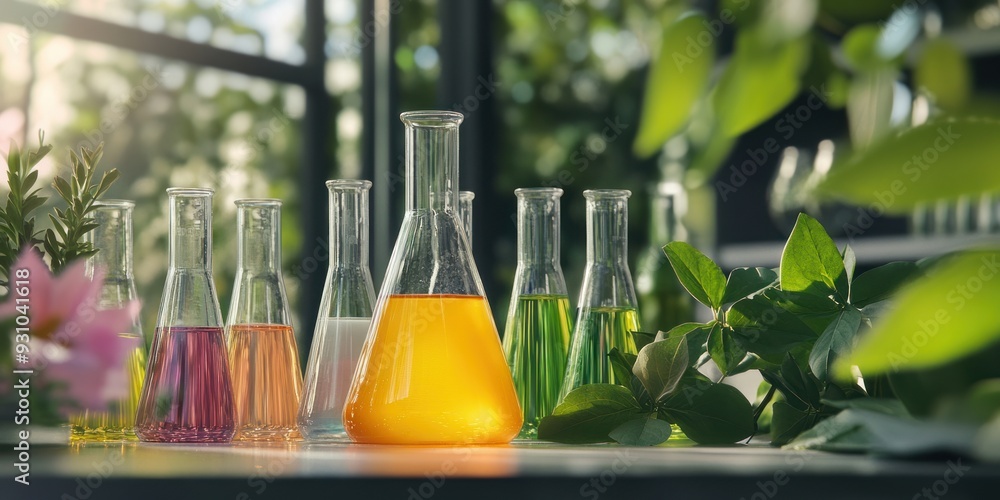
663	302
263	357
345	313
465	211
606	313
112	238
188	395
536	337
432	370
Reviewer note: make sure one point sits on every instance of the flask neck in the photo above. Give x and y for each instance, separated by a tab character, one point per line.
258	224
431	144
190	230
538	226
668	206
607	227
112	238
349	222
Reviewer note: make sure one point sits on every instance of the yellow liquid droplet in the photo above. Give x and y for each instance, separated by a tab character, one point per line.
433	373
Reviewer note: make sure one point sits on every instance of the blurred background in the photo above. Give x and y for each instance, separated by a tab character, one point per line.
268	98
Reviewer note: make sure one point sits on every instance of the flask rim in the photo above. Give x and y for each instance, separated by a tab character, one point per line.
466	195
112	203
348	184
606	194
432	118
257	202
194	192
538	192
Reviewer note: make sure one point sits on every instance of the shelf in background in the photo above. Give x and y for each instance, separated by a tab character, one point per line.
870	251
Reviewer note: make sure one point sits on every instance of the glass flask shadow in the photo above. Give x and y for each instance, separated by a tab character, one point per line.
263	357
112	238
536	336
187	396
344	317
432	370
606	313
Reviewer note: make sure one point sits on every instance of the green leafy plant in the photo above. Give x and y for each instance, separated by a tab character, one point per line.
17	224
792	324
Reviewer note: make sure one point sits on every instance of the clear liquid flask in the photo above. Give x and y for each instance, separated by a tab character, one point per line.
663	302
345	313
263	357
465	211
606	313
536	337
112	238
187	396
432	370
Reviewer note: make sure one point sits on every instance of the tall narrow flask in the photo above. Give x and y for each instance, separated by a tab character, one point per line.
606	313
465	211
345	313
538	328
263	357
432	370
112	238
663	302
188	396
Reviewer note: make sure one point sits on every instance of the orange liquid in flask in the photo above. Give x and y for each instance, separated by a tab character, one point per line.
433	373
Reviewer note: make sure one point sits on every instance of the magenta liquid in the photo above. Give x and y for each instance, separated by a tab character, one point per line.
188	395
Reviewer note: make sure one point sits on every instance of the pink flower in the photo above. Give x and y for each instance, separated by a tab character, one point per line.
73	343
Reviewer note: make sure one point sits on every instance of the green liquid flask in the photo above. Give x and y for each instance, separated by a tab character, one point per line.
536	337
606	313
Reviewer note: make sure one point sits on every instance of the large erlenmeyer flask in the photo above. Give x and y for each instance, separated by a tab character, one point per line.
112	238
432	370
188	396
345	313
263	358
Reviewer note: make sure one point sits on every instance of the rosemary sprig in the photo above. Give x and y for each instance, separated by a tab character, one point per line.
17	225
64	241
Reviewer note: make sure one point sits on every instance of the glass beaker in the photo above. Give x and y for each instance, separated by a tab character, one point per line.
188	396
112	238
465	211
432	370
606	313
663	302
536	336
263	357
345	313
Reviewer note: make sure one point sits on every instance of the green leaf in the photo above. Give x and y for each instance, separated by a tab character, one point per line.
937	160
888	406
746	281
810	262
642	338
697	336
645	430
799	388
660	365
588	414
702	278
767	330
869	106
718	414
724	349
621	365
944	72
677	79
758	81
935	319
787	422
835	342
865	431
878	284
